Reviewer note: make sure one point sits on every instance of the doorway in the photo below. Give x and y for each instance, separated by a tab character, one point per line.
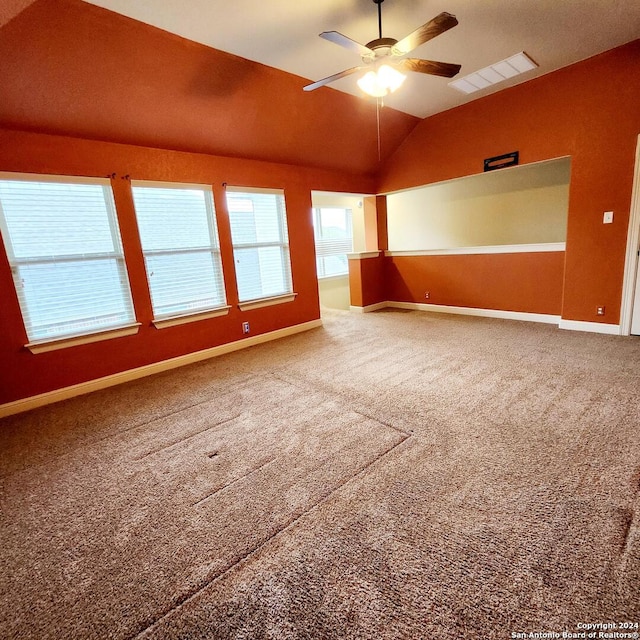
630	312
338	226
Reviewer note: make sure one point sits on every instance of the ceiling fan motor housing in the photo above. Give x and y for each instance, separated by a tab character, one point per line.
381	48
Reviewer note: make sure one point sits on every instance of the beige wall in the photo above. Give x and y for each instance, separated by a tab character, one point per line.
520	205
334	292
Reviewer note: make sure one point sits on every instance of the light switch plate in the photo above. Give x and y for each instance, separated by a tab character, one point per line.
607	218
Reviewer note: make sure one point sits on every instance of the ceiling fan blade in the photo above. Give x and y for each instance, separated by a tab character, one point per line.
347	43
335	76
441	23
444	69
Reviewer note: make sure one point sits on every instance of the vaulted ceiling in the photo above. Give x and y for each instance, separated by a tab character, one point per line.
226	78
75	69
284	34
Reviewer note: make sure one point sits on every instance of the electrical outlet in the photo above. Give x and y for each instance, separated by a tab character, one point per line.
245	327
600	310
427	295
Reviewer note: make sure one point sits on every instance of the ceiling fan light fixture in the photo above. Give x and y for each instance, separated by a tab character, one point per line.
370	85
391	77
381	82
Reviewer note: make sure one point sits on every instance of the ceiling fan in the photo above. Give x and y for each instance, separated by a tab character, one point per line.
383	56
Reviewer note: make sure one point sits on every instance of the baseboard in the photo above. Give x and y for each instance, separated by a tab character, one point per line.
593	327
573	325
25	404
472	311
370	307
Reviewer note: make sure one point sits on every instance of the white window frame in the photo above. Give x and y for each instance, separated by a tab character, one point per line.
283	244
323	251
128	327
160	320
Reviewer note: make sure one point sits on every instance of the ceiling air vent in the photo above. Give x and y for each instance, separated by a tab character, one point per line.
494	73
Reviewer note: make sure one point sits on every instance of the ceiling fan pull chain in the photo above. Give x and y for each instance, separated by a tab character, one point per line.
378	103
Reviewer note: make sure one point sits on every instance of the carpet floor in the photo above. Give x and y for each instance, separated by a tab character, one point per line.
390	475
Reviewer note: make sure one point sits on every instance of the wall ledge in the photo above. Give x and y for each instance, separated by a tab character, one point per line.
33	402
362	255
502	248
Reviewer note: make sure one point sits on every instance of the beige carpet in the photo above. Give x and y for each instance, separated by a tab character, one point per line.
391	475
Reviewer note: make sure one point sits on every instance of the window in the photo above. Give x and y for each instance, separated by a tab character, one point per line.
334	240
64	247
260	244
177	226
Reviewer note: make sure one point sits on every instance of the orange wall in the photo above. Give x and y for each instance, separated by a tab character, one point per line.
24	374
71	68
203	116
11	8
367	281
526	282
589	111
370	224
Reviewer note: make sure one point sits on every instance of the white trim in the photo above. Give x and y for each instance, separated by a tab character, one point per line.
159	184
631	259
47	177
370	307
259	245
342	194
43	346
163	323
575	325
266	302
592	327
363	255
473	311
259	190
50	397
502	248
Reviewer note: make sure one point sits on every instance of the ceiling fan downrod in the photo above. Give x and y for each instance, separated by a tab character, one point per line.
379	3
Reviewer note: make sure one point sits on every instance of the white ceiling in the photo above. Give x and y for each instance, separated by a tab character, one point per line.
284	34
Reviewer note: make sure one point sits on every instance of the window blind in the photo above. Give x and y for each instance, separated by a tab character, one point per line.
260	243
333	233
179	236
64	247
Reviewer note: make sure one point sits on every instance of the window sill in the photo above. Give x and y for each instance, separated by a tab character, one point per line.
43	346
338	276
164	323
266	302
